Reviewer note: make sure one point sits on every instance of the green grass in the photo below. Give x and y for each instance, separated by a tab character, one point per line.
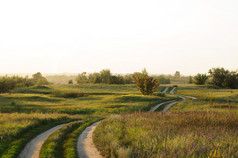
79	99
171	134
18	129
53	146
208	98
63	142
33	109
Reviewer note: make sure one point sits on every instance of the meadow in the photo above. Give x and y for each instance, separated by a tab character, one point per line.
209	98
32	110
170	134
79	99
205	127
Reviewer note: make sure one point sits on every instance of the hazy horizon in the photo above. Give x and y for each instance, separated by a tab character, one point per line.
123	36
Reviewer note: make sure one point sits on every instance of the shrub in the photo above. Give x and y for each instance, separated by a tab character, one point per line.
70	82
200	79
146	84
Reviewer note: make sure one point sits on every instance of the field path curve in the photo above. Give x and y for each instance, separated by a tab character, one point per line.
32	148
171	103
85	145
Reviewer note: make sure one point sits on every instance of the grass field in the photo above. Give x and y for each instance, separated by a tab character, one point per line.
208	98
82	99
205	127
35	109
16	129
170	134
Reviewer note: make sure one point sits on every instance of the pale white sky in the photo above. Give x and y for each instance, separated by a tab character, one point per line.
55	36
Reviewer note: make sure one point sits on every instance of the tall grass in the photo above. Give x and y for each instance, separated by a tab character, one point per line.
172	134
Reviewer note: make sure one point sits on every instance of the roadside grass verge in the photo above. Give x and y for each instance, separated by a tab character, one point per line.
170	134
17	130
63	142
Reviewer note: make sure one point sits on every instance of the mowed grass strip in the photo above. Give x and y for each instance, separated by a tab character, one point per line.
17	130
170	134
70	143
63	142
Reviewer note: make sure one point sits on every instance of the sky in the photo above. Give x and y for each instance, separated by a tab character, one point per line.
125	36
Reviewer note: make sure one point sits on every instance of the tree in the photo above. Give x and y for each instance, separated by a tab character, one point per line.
200	79
190	79
70	82
39	80
224	78
82	78
146	84
177	74
37	76
105	75
218	76
231	80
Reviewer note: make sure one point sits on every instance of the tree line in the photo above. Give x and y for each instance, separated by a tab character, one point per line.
9	83
219	77
106	77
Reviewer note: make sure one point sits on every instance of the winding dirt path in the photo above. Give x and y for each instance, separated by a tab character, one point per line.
172	91
32	149
171	103
165	90
157	106
85	145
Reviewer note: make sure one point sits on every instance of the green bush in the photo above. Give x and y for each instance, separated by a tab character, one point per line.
200	79
146	84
